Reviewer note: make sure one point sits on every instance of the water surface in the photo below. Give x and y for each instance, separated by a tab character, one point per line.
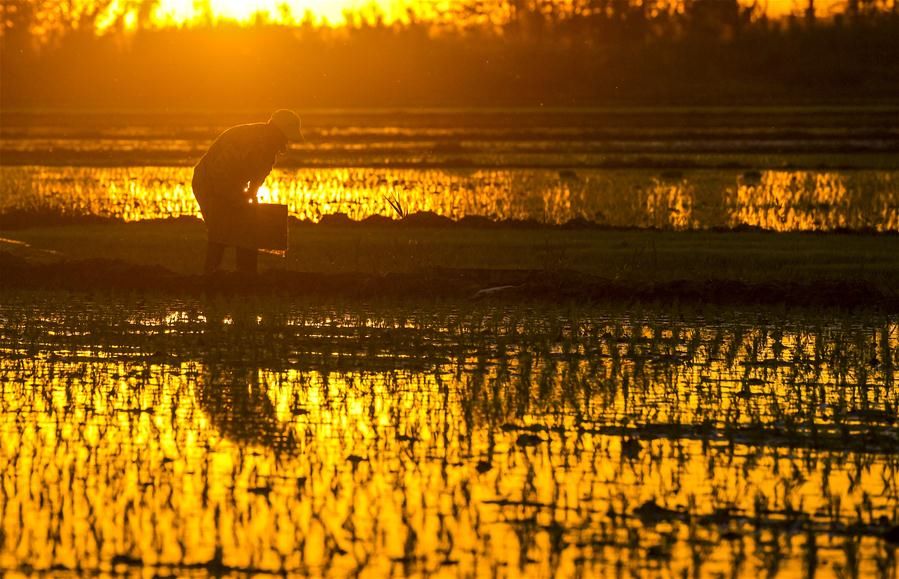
263	437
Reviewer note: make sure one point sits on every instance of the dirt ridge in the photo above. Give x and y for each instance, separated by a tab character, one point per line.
14	219
440	283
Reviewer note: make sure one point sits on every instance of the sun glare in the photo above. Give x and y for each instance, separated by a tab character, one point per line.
321	12
181	12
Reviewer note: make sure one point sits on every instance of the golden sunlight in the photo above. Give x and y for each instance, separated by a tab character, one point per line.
180	12
333	12
189	13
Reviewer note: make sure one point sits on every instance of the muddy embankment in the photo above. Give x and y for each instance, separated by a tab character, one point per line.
13	219
105	275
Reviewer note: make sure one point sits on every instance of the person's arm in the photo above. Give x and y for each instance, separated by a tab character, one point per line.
253	189
258	178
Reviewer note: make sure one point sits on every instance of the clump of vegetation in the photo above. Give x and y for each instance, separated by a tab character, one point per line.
397	206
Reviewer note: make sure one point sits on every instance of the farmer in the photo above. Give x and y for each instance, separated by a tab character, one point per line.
227	179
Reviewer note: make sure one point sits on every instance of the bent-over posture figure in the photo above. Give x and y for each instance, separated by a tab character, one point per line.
227	179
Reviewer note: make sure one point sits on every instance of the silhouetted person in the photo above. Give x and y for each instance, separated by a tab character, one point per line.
230	387
227	179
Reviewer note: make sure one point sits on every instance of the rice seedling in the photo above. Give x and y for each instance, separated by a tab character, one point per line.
259	436
783	200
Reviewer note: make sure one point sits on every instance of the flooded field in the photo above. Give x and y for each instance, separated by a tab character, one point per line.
781	170
775	200
175	437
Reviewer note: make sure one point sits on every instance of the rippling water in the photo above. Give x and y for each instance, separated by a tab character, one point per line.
775	200
255	436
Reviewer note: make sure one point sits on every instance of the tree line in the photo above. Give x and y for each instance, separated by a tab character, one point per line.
64	53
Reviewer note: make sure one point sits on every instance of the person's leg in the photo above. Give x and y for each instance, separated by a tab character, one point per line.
247	259
215	252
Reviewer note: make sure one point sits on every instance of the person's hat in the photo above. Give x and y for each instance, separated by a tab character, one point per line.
288	123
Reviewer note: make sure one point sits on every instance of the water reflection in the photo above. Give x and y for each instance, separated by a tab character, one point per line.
236	402
259	437
805	200
776	200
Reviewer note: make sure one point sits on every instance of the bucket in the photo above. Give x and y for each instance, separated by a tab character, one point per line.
270	227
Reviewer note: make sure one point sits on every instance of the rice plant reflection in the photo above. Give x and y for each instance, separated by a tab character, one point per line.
257	437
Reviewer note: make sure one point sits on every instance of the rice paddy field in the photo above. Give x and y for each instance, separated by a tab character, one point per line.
258	437
621	343
776	200
773	169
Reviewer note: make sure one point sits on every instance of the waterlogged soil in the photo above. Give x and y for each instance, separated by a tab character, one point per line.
217	435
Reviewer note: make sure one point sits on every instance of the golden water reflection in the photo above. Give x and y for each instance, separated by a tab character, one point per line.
775	200
260	437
